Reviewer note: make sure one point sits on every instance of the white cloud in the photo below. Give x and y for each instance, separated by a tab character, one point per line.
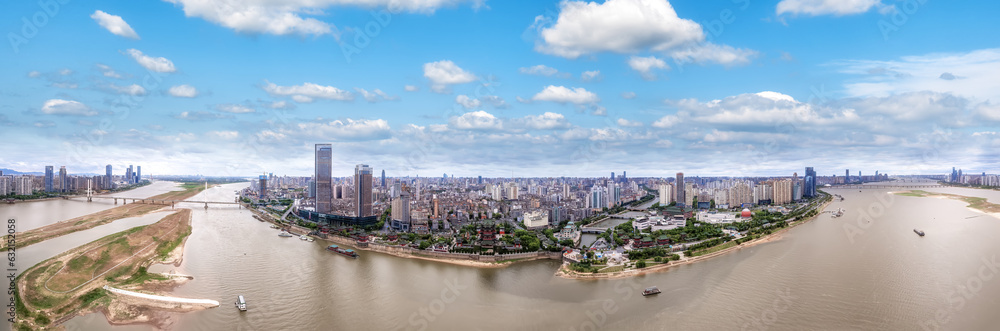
477	120
183	91
114	24
34	74
445	73
546	121
975	74
590	75
224	135
66	72
133	89
157	64
561	94
709	52
293	16
411	88
107	71
375	95
628	95
989	111
306	92
645	66
467	102
621	26
666	121
540	69
66	107
825	7
234	108
493	100
627	123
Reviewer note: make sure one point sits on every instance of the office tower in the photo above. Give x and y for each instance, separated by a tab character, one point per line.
363	190
107	177
48	179
480	180
383	178
401	208
612	176
262	193
681	198
624	176
810	183
138	174
63	180
312	189
128	174
847	176
324	180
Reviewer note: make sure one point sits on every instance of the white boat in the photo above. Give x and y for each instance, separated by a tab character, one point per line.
241	303
305	238
285	234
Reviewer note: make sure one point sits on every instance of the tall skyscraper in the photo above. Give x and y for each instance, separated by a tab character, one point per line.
809	189
107	177
847	176
480	180
624	176
263	187
363	190
48	179
63	180
138	174
681	198
129	175
324	180
383	178
612	176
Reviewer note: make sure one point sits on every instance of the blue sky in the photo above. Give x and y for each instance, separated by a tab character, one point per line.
533	88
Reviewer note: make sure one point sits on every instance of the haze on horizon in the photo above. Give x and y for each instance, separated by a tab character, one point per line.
491	88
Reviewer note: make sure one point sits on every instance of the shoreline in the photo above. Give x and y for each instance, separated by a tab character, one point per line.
566	273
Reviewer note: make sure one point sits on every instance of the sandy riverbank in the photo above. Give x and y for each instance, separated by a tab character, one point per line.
567	273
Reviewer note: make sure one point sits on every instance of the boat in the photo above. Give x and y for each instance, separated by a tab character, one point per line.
305	238
650	291
274	226
341	251
241	303
918	232
285	234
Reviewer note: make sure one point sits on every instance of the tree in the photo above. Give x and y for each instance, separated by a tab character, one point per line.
641	264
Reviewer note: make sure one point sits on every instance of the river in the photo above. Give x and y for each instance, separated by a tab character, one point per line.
36	214
866	270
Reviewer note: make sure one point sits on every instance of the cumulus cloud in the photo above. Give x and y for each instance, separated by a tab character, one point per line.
562	94
467	102
339	130
825	7
628	95
183	91
477	120
375	95
590	75
133	89
114	24
234	108
540	69
66	107
157	64
628	123
411	88
546	121
628	27
224	135
306	92
445	73
198	116
974	74
645	66
107	71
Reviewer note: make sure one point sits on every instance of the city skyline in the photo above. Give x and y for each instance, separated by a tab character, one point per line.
519	94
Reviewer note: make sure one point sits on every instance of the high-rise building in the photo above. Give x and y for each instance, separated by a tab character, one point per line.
107	177
24	185
847	176
262	187
63	180
324	180
480	182
363	190
612	176
401	211
129	175
48	179
624	176
666	194
809	189
138	174
383	179
679	185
